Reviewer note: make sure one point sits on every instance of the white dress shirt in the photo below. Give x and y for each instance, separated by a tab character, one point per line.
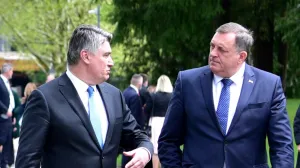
135	88
235	90
81	89
11	96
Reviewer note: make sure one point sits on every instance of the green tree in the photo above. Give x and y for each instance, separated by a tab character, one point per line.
288	26
163	37
42	28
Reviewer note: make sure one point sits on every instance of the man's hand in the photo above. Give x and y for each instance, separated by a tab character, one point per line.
140	157
14	121
9	114
298	148
1	148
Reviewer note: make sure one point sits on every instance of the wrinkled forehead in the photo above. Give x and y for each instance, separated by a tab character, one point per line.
224	39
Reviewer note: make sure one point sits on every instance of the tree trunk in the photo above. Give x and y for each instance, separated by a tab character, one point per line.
283	61
264	33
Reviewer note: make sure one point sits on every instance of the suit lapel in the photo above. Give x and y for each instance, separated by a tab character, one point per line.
206	84
68	90
248	85
108	104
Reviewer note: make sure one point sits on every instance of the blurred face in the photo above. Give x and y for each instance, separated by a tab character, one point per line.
140	83
9	73
100	64
224	59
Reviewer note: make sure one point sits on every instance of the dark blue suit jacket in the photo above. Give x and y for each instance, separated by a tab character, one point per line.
4	97
191	120
57	131
134	104
5	124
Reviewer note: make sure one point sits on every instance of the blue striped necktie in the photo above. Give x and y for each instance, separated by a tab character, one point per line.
223	106
95	116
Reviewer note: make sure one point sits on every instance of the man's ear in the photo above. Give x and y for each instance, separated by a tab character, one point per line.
85	57
243	56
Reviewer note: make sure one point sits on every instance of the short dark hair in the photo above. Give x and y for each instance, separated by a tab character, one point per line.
145	77
87	37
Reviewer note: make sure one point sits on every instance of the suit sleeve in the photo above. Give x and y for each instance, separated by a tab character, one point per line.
279	132
3	108
172	133
297	126
34	130
137	112
132	135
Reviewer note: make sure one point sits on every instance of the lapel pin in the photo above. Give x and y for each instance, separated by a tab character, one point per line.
250	81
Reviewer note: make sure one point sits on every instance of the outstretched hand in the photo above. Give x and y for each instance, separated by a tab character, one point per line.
140	157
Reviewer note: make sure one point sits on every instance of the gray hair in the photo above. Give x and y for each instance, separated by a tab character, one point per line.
243	40
164	84
136	78
6	67
86	37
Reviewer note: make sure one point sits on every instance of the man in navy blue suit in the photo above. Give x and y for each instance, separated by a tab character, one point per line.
223	112
6	107
132	99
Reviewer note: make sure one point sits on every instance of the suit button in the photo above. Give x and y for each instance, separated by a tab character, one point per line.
226	142
102	157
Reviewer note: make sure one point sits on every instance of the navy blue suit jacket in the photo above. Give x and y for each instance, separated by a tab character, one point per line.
4	104
4	97
191	120
134	104
57	132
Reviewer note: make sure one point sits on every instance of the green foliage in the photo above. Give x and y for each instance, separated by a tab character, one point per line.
163	37
42	28
289	26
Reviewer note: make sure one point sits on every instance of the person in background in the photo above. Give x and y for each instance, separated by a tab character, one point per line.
297	134
10	158
151	89
222	113
78	120
7	104
145	96
159	106
132	99
18	112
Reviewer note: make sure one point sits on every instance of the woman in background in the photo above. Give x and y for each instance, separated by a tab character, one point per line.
20	110
160	101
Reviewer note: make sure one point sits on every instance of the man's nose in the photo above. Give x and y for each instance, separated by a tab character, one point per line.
213	52
110	62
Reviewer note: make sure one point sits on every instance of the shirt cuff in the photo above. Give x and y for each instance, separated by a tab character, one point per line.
149	154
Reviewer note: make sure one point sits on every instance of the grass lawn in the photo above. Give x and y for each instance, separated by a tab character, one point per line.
292	106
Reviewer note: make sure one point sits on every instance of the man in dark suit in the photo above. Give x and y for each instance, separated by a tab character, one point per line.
78	120
145	98
223	112
132	99
6	107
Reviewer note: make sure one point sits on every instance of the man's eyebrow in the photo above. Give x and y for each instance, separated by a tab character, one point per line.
219	44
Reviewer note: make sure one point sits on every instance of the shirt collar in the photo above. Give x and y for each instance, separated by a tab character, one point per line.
79	85
5	80
135	88
239	74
